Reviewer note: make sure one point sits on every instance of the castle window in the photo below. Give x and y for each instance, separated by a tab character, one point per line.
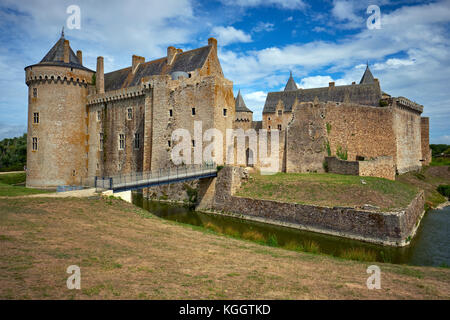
34	92
130	113
35	144
269	127
193	111
170	113
269	118
73	173
100	144
121	141
169	143
36	117
99	115
193	143
224	112
137	141
119	166
280	112
98	166
279	127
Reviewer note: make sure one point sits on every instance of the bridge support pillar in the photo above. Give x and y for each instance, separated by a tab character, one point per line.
124	195
206	190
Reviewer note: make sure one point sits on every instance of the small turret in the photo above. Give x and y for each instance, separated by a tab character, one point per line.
291	85
367	77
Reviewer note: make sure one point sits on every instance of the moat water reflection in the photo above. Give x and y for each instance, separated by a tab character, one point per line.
430	246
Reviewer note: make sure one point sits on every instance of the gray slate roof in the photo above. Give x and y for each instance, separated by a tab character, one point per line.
186	61
240	104
55	57
367	77
291	85
366	94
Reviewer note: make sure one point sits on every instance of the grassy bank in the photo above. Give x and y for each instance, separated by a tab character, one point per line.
13	184
126	253
428	179
329	190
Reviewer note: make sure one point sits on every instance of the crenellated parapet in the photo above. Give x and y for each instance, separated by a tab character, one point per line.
120	94
405	103
51	74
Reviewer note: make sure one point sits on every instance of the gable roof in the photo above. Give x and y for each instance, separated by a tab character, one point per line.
367	77
185	61
366	94
240	104
291	85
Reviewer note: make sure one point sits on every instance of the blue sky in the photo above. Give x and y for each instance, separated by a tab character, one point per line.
260	41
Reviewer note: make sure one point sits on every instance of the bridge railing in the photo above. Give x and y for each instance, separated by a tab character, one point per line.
155	177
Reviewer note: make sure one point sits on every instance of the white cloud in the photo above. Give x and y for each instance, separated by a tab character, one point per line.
228	35
284	4
344	10
263	26
257	96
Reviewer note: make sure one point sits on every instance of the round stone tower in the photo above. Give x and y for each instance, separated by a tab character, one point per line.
57	120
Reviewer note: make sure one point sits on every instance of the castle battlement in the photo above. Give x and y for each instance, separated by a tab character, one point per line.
116	95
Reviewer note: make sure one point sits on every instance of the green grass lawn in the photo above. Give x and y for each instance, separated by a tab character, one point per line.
13	184
329	190
440	161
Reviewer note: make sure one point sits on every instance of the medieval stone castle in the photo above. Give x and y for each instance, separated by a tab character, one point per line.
84	123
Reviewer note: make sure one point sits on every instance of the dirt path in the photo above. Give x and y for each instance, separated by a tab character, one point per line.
126	253
11	172
85	193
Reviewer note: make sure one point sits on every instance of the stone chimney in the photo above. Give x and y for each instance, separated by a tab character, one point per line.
171	53
136	61
213	42
66	51
331	84
80	56
100	76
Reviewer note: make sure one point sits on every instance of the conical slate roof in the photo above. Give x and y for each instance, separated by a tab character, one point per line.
367	77
290	85
55	57
240	104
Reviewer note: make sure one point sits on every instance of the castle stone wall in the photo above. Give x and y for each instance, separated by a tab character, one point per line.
407	130
425	140
382	167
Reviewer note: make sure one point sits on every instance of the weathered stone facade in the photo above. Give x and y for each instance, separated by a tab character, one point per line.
425	140
102	124
124	121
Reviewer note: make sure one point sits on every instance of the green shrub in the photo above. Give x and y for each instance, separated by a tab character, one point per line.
327	146
272	241
328	128
341	153
191	192
219	168
383	103
444	189
359	254
311	246
325	165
